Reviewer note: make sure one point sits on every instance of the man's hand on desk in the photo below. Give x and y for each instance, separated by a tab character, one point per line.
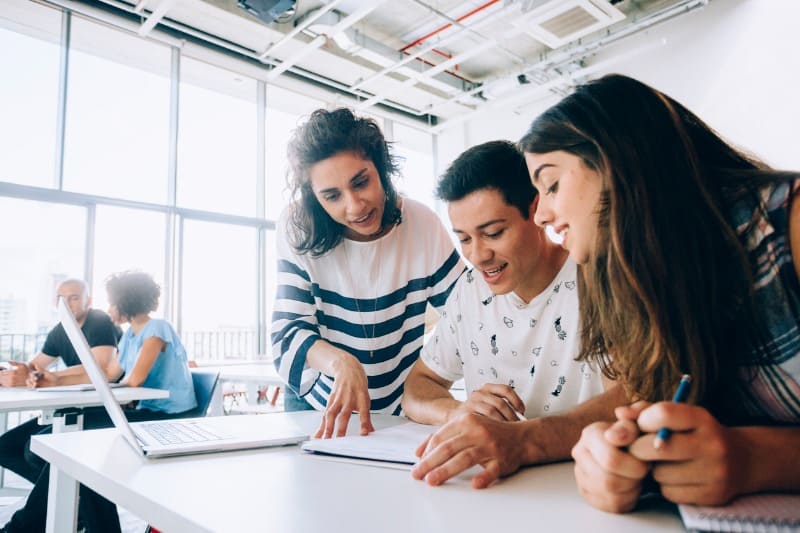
469	440
39	377
16	376
493	400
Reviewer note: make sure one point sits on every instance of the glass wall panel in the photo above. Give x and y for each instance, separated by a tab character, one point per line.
45	247
217	138
128	239
416	147
218	311
28	92
117	123
285	111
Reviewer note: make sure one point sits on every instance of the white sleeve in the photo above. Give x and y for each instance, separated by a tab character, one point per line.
294	324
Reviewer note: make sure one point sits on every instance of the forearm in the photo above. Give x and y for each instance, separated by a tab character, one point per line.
771	458
428	402
549	439
327	358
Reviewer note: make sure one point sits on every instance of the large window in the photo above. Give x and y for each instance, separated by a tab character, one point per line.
128	239
416	147
29	61
117	121
285	112
217	134
35	261
219	291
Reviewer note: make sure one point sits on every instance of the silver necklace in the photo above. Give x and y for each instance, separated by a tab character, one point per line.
368	338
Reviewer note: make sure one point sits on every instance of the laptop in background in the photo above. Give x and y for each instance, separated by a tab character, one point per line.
167	438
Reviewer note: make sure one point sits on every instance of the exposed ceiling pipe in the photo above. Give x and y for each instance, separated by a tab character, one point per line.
447	38
355	43
457	23
345	23
155	17
302	25
120	22
428	73
531	93
572	54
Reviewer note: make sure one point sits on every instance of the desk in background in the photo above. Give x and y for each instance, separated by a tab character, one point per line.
253	374
283	489
56	408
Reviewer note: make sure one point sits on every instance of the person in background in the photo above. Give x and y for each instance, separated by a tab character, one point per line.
685	246
357	266
150	355
102	336
509	328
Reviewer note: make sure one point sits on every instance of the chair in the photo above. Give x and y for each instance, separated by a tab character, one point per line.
204	382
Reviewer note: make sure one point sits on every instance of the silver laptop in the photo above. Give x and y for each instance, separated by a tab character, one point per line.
187	436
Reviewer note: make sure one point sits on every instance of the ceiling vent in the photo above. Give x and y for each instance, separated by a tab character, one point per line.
559	22
269	11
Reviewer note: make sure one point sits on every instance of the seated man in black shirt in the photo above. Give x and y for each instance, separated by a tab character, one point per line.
102	335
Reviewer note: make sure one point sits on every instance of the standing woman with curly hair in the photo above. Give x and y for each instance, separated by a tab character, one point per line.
357	266
689	262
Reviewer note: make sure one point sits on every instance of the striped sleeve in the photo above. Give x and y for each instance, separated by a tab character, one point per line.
448	268
294	323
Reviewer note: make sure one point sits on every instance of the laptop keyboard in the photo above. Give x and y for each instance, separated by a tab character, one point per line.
179	432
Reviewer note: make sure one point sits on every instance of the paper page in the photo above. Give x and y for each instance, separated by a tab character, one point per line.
755	512
394	444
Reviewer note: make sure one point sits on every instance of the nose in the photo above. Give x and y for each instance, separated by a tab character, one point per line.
354	204
479	253
544	213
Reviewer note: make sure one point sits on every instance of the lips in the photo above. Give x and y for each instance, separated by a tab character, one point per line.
491	274
364	220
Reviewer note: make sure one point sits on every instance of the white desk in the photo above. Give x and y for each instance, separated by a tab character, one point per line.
285	490
24	399
252	374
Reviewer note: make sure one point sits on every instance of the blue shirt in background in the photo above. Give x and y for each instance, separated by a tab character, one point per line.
169	372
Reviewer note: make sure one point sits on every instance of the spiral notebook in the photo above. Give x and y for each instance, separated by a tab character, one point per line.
755	513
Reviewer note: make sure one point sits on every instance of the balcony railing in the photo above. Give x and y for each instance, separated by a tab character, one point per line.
222	344
218	344
20	346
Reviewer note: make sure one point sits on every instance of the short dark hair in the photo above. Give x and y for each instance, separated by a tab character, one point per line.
133	293
325	134
495	165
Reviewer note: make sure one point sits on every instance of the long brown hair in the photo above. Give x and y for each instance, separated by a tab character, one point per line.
668	289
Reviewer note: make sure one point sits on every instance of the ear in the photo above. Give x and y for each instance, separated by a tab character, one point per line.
532	208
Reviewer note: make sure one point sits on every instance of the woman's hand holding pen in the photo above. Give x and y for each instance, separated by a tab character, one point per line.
609	477
703	462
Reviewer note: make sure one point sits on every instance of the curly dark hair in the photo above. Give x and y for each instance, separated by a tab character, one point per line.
324	135
133	293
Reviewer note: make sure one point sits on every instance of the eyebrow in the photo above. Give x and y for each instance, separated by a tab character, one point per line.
482	226
355	177
539	169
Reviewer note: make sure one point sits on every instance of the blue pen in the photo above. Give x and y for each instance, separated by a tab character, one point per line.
680	396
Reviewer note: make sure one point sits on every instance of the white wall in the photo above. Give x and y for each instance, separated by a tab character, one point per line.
736	63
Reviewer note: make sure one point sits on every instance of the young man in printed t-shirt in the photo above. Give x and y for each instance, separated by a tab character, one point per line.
509	328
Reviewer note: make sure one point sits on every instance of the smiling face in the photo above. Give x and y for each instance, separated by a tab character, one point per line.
348	187
569	197
497	240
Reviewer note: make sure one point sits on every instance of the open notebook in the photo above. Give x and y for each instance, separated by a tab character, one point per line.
774	513
392	447
76	388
